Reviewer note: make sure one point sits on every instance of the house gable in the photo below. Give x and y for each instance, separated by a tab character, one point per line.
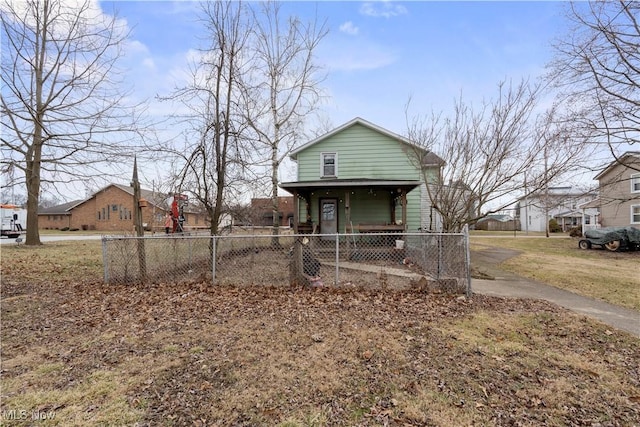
362	151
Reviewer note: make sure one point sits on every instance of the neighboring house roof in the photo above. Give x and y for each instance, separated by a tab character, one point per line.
569	214
496	217
624	160
151	196
430	158
62	209
595	203
558	192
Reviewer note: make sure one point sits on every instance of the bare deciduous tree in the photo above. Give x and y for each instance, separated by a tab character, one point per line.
490	155
215	148
597	68
62	102
286	86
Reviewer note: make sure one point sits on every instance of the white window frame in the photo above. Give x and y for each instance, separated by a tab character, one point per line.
635	214
635	180
335	164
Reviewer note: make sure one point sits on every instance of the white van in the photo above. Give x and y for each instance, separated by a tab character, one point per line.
14	220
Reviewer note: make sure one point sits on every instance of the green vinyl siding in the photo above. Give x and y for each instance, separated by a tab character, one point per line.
364	153
413	210
361	153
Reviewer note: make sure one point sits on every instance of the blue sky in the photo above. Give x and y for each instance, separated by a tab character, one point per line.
376	54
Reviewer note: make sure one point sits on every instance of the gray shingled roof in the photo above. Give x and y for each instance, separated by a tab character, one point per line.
62	209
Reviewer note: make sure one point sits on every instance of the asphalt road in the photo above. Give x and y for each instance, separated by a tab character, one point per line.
47	238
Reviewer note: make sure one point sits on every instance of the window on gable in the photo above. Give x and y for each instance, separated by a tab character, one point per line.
329	164
635	214
635	183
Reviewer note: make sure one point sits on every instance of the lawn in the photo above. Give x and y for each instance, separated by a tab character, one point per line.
610	276
77	352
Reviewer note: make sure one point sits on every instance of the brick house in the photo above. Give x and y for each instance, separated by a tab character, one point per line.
56	217
262	213
111	209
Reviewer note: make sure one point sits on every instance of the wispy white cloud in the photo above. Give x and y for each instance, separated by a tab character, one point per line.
149	63
349	56
385	9
349	28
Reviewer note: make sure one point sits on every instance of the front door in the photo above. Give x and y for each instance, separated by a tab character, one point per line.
328	217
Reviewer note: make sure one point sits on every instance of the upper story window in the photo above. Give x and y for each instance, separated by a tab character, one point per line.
635	183
328	164
635	214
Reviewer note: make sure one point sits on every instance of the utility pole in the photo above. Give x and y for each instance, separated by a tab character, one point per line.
137	220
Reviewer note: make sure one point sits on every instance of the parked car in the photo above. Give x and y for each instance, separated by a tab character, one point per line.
612	238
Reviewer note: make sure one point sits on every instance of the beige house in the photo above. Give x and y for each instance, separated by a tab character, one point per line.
111	209
619	188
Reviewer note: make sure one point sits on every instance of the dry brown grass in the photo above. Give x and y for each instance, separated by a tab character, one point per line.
193	354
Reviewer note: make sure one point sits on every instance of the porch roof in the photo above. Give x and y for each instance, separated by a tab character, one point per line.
333	184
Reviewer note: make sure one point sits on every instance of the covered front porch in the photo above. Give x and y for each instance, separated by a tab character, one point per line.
350	205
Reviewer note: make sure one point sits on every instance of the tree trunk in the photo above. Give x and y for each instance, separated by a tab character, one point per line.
33	189
275	241
32	177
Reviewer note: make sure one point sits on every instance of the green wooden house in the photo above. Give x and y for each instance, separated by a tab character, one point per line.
360	177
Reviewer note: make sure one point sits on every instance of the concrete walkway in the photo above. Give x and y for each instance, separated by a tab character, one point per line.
510	285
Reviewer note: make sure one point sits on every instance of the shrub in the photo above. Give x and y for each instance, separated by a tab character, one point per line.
64	229
554	227
576	231
74	229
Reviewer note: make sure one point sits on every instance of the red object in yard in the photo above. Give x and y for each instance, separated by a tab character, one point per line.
179	201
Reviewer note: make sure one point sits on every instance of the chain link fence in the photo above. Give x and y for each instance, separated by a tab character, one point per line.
426	262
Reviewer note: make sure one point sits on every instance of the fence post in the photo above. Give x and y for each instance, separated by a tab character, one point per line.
337	277
213	260
467	260
423	246
105	259
440	236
